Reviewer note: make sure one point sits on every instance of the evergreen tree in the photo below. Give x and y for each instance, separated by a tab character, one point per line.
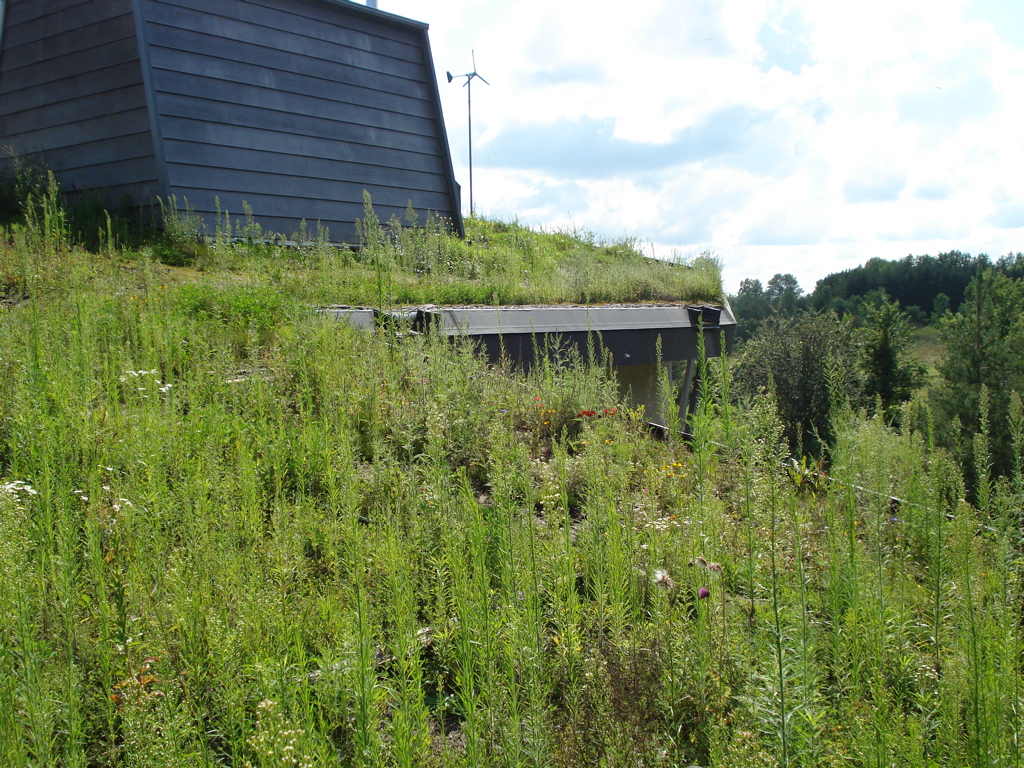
984	347
783	294
811	363
890	374
750	306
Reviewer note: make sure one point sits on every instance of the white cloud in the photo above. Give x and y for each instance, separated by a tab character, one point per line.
785	135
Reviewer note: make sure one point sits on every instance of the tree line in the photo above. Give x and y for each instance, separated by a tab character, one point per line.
848	346
925	287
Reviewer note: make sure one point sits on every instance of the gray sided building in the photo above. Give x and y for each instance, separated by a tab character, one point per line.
291	106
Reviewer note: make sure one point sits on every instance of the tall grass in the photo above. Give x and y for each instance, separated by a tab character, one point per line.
235	533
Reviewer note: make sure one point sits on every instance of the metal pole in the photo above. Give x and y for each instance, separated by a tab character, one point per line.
469	106
468	85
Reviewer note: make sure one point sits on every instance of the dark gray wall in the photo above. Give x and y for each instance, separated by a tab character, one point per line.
295	107
72	97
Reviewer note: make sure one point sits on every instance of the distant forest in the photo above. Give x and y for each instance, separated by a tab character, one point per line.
925	287
848	345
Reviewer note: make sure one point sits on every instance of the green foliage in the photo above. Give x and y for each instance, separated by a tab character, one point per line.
810	363
233	532
345	548
819	366
915	281
754	303
890	374
413	262
783	293
984	343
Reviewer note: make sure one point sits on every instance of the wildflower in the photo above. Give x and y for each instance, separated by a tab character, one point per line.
583	414
703	593
663	580
15	487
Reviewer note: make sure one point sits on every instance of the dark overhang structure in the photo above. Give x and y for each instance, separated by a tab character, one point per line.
629	333
638	338
292	107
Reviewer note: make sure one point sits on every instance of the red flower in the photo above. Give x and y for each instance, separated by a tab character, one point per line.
581	414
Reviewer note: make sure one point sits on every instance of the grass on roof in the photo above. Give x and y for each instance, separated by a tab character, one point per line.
397	263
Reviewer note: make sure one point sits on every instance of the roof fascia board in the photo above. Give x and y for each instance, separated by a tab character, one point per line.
442	138
374	13
3	14
156	135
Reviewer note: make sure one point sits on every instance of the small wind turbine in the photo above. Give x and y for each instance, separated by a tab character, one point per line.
468	85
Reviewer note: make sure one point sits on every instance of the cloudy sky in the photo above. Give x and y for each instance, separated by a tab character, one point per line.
783	135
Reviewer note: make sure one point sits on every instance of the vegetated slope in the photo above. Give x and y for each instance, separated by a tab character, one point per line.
928	349
235	533
395	263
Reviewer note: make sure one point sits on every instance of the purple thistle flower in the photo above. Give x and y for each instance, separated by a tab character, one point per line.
703	593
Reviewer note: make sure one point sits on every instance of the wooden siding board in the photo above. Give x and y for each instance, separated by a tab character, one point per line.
80	15
222	135
133	171
97	153
56	67
204	201
80	85
26	11
245	181
234	73
339	226
316	28
222	98
297	166
81	39
267	37
283	215
357	16
68	138
91	117
133	195
174	106
205	45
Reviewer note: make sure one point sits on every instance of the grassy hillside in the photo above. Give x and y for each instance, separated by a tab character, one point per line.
497	263
234	533
928	349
